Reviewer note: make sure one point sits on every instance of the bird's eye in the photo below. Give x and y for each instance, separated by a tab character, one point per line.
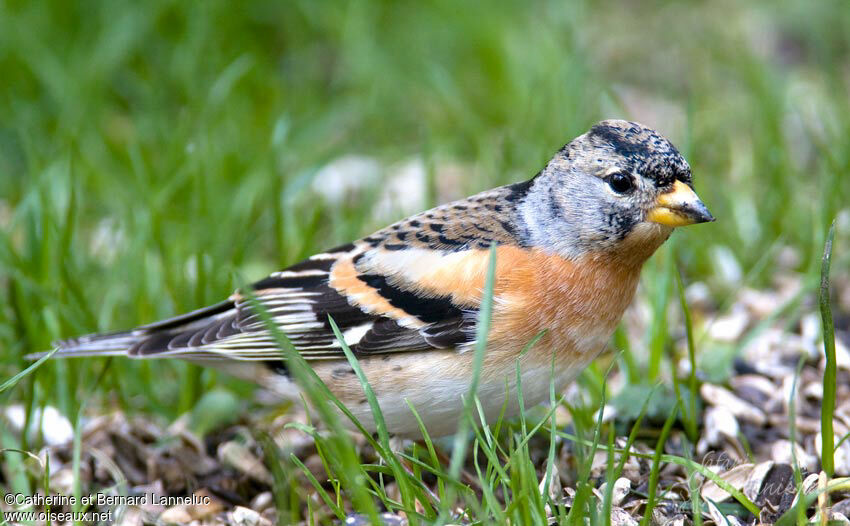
621	182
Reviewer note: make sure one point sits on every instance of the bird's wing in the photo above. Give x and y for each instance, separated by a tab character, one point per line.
373	295
413	286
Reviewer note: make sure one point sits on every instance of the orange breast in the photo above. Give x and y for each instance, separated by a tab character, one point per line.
577	302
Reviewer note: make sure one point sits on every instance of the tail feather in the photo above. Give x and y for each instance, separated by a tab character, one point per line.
121	343
108	344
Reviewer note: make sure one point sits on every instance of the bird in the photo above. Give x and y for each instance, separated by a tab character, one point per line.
568	246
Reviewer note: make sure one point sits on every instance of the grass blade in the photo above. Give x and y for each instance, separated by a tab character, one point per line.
482	331
656	465
11	382
624	457
399	473
659	300
340	444
829	374
318	487
690	415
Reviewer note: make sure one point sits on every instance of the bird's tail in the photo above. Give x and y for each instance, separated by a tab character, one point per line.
104	344
122	343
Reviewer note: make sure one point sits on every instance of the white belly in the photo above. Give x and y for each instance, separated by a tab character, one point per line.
437	393
440	403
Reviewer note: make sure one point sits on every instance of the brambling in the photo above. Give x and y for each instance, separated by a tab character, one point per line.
570	243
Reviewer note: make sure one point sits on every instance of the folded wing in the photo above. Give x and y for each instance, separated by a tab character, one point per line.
375	311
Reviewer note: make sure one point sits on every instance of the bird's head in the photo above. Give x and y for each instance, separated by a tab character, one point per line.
620	188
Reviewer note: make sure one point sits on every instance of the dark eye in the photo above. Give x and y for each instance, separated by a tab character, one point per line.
621	182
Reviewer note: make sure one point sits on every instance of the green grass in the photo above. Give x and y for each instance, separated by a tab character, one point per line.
829	375
154	156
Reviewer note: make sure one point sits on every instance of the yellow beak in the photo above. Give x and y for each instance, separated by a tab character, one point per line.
679	207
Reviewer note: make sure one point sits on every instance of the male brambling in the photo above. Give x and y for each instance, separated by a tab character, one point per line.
570	244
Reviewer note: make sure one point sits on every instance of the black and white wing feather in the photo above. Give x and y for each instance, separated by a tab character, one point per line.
373	289
299	300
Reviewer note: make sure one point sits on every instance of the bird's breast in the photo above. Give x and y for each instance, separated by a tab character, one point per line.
574	304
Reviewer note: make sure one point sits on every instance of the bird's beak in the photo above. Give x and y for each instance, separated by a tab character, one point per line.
679	207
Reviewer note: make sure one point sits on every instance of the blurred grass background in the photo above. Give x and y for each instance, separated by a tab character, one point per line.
153	155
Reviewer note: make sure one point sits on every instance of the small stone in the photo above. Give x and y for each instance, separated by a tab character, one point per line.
620	517
262	501
609	413
781	454
555	490
721	397
729	328
240	457
720	424
841	456
736	477
247	517
176	515
622	487
207	506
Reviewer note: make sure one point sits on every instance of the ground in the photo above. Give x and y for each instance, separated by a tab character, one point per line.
156	156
